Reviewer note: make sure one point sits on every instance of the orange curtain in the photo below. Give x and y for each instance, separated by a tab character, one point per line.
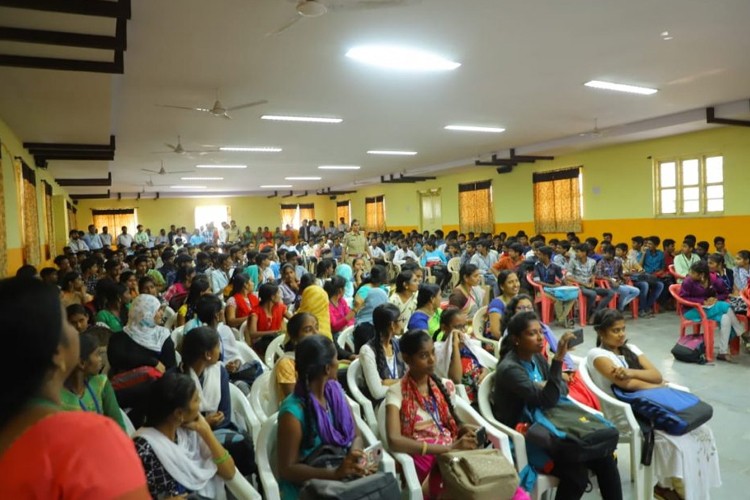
343	209
49	248
475	207
72	217
114	220
26	183
306	212
3	242
375	214
557	201
288	213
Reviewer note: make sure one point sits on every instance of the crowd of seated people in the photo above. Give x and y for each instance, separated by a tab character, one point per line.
124	302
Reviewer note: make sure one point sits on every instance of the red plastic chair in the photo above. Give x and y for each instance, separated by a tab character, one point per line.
677	276
634	304
708	326
583	304
546	304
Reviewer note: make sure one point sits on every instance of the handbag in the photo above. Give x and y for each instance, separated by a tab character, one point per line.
134	377
378	486
326	456
478	475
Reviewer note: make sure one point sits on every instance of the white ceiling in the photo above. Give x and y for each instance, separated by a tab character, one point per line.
523	66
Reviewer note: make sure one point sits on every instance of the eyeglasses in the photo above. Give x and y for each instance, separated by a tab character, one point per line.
524	308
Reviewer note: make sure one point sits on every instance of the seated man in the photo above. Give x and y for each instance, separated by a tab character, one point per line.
550	275
685	259
581	274
609	269
512	260
404	253
485	260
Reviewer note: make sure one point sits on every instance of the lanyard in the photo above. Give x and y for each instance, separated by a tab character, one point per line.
432	409
393	373
93	398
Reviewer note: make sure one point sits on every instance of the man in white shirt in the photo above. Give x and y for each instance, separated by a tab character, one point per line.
124	238
92	239
314	229
141	237
162	239
105	237
76	244
404	253
484	261
343	226
377	253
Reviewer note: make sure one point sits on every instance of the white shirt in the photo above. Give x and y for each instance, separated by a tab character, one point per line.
377	253
600	380
106	239
93	241
228	343
78	246
400	256
125	240
370	371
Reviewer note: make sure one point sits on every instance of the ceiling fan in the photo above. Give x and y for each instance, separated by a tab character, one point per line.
218	109
595	132
162	171
180	150
316	8
150	182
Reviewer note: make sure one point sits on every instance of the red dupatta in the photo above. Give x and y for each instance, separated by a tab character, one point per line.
412	400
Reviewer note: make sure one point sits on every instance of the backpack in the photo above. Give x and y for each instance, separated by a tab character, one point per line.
569	433
690	349
670	410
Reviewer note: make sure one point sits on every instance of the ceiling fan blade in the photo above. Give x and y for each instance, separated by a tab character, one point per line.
205	110
370	4
152	171
180	172
286	26
170	146
180	107
248	105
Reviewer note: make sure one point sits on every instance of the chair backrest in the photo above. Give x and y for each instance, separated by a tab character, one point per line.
177	336
261	394
345	340
171	316
243	327
353	378
454	265
478	321
275	350
537	286
241	487
265	448
618	412
242	414
129	427
248	355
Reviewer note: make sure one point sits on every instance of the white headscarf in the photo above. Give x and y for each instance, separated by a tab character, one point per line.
188	460
141	327
210	390
444	350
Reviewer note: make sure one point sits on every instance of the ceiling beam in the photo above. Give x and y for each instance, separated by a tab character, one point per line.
96	8
59	64
66	146
101	196
61	38
711	118
92	181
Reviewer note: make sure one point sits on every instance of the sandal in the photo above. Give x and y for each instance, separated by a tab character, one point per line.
725	357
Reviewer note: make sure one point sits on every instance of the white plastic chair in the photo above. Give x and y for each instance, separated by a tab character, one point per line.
243	327
260	398
544	482
275	350
477	328
630	433
240	488
129	427
355	377
177	334
454	265
409	473
242	413
345	339
236	333
171	317
247	354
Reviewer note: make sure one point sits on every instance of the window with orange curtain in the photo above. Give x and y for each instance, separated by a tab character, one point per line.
72	216
375	214
557	201
289	215
3	241
26	182
344	209
49	248
306	212
475	207
114	220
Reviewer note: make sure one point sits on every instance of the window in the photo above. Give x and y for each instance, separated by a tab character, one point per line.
212	213
475	207
114	219
294	214
557	201
690	186
375	213
344	209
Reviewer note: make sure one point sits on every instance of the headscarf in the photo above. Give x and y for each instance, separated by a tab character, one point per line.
315	301
340	432
141	326
345	271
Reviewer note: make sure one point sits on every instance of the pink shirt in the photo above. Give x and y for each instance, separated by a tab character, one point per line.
338	316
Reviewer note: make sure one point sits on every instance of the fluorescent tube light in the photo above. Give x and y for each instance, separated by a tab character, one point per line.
620	87
311	119
475	128
339	167
201	178
390	152
271	186
400	58
221	166
187	187
302	178
250	149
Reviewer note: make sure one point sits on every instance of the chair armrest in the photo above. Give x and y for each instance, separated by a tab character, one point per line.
241	488
266	475
413	486
461	392
679	387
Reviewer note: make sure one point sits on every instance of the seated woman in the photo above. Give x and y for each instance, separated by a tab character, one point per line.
314	300
405	296
198	288
78	316
266	320
201	353
300	326
41	446
420	419
691	460
703	287
324	271
88	390
338	310
111	301
289	285
358	272
381	364
315	414
74	290
717	266
524	380
241	301
142	343
368	296
147	285
179	289
509	285
469	296
460	358
428	306
345	271
130	280
178	450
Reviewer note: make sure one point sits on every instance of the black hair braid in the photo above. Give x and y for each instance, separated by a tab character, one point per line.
444	392
376	344
630	358
307	432
506	346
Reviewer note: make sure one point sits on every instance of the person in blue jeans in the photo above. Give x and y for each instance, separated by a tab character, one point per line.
610	270
581	274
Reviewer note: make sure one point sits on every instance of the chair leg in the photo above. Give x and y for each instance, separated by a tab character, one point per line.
708	340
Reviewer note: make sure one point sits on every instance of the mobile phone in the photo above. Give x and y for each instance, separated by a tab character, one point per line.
481	436
577	339
373	455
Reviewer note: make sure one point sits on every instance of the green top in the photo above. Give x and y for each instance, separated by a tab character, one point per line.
98	396
293	404
156	276
109	319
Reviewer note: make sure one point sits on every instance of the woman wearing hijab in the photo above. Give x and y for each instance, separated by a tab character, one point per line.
345	271
315	301
142	344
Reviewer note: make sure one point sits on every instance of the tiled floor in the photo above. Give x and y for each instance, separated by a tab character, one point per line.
725	386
